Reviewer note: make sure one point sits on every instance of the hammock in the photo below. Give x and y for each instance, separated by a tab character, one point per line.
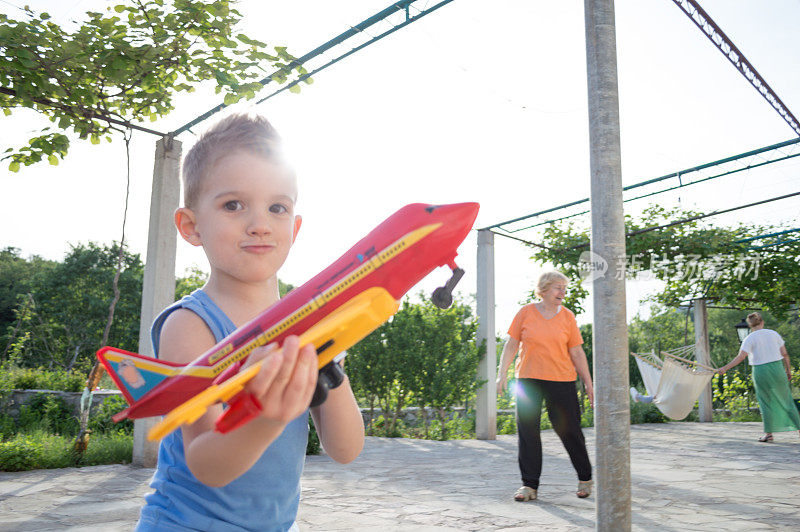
674	382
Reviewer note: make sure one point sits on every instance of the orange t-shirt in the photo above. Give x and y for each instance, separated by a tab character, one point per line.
545	344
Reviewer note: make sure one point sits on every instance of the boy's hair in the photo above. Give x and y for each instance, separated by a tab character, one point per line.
547	279
754	319
250	133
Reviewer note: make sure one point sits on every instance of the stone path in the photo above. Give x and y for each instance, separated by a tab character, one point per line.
685	476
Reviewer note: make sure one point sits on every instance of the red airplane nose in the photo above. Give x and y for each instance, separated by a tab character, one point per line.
460	215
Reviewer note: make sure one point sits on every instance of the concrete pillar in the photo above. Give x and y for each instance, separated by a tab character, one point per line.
703	355
158	290
486	407
610	333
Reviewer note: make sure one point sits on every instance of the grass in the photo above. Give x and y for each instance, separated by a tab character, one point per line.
39	449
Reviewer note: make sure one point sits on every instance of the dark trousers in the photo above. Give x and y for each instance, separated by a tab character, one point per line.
561	399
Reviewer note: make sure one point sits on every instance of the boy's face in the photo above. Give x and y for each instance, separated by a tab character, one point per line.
244	217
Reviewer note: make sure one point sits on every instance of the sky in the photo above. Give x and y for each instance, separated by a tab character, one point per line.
478	101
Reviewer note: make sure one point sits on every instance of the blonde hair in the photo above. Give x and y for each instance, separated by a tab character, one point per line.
754	319
251	133
547	279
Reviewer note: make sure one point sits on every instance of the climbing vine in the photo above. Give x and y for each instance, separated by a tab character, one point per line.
125	65
693	259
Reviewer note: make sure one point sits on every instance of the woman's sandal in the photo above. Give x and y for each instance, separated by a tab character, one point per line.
766	438
525	494
584	488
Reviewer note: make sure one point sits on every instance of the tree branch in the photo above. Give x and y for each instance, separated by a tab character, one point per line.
84	113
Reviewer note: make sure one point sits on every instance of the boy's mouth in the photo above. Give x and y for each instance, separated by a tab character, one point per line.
258	249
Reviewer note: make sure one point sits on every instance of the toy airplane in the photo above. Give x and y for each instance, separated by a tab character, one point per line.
334	310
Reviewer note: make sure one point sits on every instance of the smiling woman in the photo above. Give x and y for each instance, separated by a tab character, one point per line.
551	357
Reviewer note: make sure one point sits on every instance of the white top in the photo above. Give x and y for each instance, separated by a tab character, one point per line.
762	346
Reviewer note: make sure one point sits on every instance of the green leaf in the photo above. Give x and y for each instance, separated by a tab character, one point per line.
14	166
118	63
294	89
53	160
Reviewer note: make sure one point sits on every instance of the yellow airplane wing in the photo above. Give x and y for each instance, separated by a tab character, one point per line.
338	331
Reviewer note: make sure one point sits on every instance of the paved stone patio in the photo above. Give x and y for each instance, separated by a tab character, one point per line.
684	476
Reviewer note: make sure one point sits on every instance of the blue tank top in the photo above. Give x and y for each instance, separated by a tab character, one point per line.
265	498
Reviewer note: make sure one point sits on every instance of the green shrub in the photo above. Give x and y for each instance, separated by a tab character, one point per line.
587	412
506	400
738	415
380	427
100	417
112	447
455	428
313	445
40	450
8	427
646	413
734	392
694	415
506	424
545	423
20	454
49	413
15	377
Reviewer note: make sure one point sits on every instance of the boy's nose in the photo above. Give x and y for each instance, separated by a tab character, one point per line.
259	225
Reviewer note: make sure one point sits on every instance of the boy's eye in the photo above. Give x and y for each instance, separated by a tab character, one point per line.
233	205
277	208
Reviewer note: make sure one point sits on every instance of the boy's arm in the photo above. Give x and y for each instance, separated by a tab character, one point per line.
339	424
284	386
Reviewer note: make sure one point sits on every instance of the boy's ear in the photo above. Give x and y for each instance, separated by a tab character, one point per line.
187	226
298	221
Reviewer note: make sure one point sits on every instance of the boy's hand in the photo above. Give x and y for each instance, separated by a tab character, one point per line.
287	380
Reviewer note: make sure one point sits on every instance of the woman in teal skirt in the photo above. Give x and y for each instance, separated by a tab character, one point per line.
772	372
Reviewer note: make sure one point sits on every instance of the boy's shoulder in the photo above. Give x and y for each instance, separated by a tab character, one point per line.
184	336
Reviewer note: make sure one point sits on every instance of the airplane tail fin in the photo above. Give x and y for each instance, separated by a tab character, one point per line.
135	375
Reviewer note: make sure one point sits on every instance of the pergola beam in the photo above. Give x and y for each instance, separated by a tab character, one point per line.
401	6
737	58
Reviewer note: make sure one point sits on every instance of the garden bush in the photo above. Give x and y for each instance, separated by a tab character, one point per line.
313	446
100	417
646	413
506	424
735	395
13	377
114	447
42	450
49	413
20	454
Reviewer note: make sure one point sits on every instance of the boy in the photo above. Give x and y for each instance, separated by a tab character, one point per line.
239	197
